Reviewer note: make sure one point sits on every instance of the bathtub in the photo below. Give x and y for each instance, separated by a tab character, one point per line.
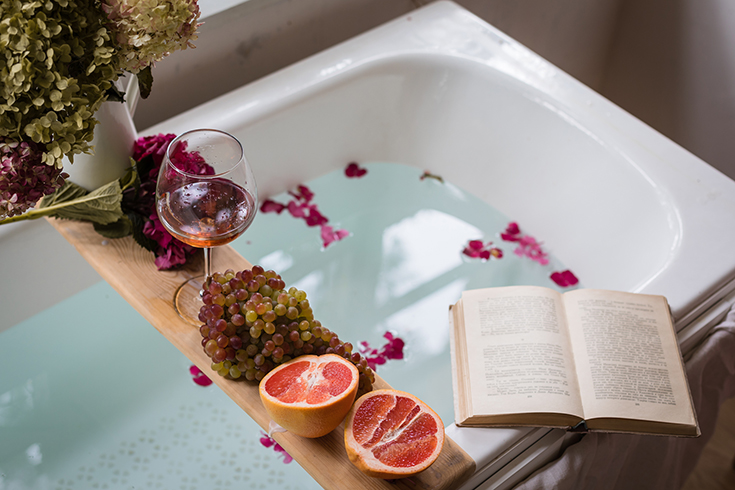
441	91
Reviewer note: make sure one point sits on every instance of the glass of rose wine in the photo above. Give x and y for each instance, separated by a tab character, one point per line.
205	196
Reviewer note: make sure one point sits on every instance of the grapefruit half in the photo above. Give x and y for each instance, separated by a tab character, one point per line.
391	434
310	395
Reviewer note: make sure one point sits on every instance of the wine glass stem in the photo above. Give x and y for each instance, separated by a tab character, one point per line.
207	262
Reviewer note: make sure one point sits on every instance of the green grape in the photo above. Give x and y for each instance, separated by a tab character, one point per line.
252	323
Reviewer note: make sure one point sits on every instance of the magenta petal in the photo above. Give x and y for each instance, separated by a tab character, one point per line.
302	193
266	440
570	278
327	235
195	371
315	218
353	170
512	228
564	278
485	254
476	244
203	380
297	210
269	206
559	279
471	253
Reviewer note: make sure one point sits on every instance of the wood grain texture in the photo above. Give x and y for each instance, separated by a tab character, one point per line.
130	270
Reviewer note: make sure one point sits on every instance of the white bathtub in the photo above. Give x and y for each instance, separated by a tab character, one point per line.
439	89
619	204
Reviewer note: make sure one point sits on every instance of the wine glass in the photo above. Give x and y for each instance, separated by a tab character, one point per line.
204	205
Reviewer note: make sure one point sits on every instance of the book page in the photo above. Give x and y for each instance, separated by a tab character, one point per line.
628	359
518	352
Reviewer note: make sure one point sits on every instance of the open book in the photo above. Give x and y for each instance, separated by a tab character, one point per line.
587	359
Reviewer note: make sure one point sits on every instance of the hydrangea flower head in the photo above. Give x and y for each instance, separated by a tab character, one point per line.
24	178
149	30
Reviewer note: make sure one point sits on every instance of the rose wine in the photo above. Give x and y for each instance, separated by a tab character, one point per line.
207	213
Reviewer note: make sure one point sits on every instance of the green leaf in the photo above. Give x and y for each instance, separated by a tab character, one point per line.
115	95
138	222
131	177
120	228
73	202
145	81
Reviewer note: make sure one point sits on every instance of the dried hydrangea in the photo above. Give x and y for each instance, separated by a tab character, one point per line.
149	30
57	61
24	178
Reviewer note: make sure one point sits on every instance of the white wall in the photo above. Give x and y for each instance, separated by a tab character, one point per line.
672	65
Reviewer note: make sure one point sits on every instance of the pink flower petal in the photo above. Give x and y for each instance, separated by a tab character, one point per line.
302	193
297	210
512	228
353	170
476	244
268	441
392	350
270	206
203	380
199	377
315	218
329	235
564	278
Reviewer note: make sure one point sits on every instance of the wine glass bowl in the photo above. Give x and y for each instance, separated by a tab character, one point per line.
206	196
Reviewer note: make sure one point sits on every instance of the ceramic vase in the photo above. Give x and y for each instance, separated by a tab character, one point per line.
113	141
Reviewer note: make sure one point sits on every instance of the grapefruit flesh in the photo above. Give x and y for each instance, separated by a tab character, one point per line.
392	434
310	395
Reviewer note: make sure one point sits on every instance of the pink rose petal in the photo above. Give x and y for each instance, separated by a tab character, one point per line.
270	206
564	278
392	350
353	170
268	441
199	377
479	250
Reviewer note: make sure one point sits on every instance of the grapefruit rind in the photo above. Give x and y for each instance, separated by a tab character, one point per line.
309	418
362	448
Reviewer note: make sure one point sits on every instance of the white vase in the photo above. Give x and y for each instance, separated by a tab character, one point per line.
113	141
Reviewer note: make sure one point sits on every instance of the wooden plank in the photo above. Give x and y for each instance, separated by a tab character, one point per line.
130	270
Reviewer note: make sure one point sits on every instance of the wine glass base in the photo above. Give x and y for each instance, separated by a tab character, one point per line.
187	300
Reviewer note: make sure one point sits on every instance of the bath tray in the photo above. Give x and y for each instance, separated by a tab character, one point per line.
130	270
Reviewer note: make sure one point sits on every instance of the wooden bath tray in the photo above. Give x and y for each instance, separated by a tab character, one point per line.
130	270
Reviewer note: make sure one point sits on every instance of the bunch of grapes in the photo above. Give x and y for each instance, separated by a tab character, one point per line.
252	323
